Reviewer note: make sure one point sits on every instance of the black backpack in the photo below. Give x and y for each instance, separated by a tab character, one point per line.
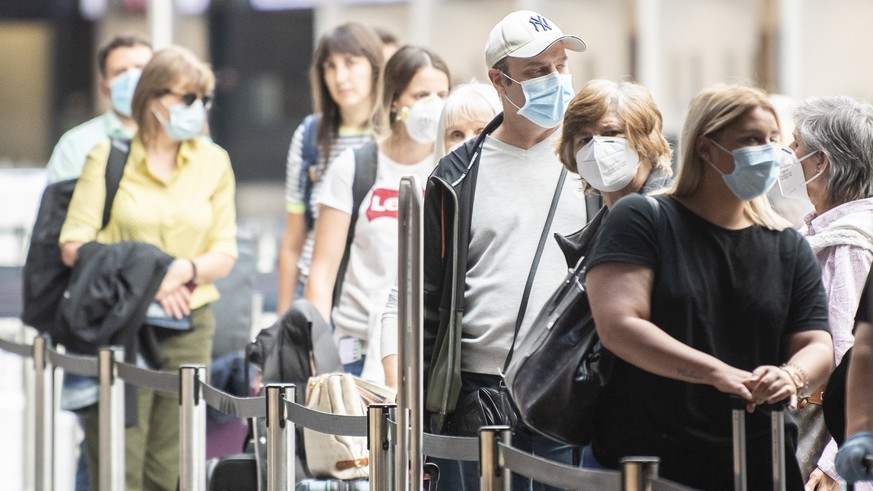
366	163
45	276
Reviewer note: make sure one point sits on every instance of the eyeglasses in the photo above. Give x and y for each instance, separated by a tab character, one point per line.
190	97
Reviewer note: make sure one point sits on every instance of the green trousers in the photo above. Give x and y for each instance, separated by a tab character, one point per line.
151	448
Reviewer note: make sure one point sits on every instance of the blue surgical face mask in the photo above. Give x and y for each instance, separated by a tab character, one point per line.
186	122
121	91
545	98
756	169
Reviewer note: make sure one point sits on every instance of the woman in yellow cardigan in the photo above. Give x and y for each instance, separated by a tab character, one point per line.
177	193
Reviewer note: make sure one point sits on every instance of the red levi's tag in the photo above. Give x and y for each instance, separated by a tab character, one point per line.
383	203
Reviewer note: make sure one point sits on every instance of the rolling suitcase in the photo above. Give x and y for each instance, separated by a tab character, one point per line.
238	472
777	444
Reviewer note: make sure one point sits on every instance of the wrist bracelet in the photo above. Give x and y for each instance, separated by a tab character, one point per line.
798	376
193	271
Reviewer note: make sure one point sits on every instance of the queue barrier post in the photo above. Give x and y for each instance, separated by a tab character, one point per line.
410	322
45	417
493	474
110	414
280	438
777	446
382	452
192	428
638	473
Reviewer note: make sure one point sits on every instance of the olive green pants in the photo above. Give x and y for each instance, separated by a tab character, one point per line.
151	450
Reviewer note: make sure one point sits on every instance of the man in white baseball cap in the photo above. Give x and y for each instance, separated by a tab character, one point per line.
525	34
480	260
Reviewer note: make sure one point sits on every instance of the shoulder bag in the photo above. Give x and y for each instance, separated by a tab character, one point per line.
338	456
562	368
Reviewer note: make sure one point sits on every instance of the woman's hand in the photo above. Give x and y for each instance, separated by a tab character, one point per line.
820	481
732	380
173	294
770	384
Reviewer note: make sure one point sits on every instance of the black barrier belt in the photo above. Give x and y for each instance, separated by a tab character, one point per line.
332	424
150	379
241	407
78	364
558	475
568	477
450	447
22	350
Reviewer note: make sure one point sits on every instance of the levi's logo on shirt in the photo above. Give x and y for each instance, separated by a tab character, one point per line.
383	203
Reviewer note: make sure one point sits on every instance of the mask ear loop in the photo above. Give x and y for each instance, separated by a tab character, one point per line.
820	164
505	95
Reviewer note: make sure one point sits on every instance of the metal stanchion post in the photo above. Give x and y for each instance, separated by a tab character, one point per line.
45	418
738	421
280	438
380	447
110	413
192	429
409	326
777	437
493	475
638	473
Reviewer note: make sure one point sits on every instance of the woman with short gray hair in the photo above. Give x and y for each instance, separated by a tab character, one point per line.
830	163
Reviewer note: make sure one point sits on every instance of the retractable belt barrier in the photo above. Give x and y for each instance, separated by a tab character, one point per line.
396	441
280	477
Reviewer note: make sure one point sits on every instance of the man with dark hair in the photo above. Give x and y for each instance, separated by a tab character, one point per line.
390	45
120	61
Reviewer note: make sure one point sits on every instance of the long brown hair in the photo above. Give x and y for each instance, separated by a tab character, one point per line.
399	71
353	39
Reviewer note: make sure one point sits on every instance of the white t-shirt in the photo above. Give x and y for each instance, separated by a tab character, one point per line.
372	268
514	191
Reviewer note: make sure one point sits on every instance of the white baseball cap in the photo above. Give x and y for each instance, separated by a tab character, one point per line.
525	34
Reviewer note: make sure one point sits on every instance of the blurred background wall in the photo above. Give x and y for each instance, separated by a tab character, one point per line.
261	50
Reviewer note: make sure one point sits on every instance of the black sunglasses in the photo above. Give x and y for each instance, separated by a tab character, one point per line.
190	97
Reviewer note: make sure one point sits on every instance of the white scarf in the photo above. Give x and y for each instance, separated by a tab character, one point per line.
855	229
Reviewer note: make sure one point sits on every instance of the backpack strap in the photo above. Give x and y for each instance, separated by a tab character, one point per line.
118	153
309	156
366	163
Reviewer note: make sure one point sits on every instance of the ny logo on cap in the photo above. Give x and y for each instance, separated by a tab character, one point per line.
540	21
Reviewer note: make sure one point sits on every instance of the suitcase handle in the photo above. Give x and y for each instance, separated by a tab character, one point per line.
777	442
738	402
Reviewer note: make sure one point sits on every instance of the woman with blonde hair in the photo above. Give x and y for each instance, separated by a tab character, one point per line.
176	193
703	294
468	109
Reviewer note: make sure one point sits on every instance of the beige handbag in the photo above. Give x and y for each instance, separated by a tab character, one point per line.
337	456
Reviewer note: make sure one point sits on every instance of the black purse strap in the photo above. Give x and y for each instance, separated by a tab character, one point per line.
535	264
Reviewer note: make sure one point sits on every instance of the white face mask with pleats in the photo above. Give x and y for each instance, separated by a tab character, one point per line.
422	118
791	182
607	163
